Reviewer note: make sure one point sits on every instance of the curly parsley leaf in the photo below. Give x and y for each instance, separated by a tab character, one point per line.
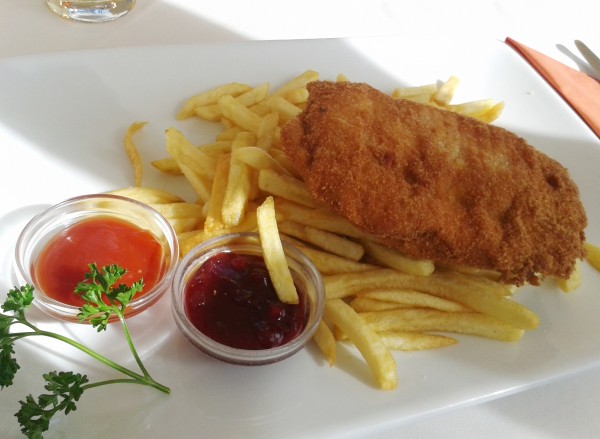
65	389
8	364
18	300
103	298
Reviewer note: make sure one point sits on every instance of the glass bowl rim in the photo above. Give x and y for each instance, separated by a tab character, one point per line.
69	312
237	355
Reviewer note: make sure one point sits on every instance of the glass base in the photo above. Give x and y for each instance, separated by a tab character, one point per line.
91	11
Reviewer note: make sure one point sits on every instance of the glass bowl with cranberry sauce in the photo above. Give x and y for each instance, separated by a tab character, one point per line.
55	248
225	304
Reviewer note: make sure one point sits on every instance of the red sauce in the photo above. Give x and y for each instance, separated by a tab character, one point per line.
103	240
231	299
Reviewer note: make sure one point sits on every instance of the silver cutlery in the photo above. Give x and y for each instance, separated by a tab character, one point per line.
590	57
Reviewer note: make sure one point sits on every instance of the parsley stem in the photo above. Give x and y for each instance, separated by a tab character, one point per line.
131	346
66	387
145	379
127	381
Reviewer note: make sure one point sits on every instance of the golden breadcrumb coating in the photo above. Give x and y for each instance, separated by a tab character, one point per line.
435	184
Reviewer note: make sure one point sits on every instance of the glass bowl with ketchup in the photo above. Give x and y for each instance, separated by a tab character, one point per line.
55	248
225	304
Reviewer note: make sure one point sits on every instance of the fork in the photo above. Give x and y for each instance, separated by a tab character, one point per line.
590	57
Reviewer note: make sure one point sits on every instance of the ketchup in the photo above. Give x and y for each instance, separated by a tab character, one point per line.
103	240
231	299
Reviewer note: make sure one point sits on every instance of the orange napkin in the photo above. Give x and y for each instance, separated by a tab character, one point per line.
580	91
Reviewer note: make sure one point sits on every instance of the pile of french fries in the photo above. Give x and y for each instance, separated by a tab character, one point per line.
377	299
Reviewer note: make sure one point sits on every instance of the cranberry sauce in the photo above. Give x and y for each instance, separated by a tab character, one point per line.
231	299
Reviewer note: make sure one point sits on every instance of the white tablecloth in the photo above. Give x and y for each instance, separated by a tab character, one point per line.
566	408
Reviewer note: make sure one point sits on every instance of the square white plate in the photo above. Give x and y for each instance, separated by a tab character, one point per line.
62	120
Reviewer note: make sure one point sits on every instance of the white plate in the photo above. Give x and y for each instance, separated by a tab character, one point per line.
62	118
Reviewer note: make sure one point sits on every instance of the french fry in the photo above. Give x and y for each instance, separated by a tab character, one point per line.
365	304
283	107
211	113
184	236
229	124
248	98
274	254
487	299
349	284
181	225
239	184
319	218
421	99
492	114
200	184
266	136
592	255
284	161
374	351
427	90
254	95
425	320
248	225
328	263
197	167
476	293
490	274
414	341
472	108
228	134
216	149
444	94
413	298
133	153
392	258
214	224
299	81
285	186
210	97
191	240
183	151
262	108
168	165
573	282
297	96
328	241
341	78
239	114
147	195
179	210
325	340
258	159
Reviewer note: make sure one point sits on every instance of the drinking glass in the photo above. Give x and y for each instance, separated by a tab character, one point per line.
92	11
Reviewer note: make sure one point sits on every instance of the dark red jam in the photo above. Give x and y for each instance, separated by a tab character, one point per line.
231	299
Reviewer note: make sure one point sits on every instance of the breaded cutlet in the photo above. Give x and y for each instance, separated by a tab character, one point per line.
435	184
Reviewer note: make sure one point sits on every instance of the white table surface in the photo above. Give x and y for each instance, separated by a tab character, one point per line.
565	408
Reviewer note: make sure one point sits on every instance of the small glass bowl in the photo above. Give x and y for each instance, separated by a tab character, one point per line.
47	224
306	277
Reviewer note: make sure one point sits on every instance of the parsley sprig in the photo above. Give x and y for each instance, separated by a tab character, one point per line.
104	300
